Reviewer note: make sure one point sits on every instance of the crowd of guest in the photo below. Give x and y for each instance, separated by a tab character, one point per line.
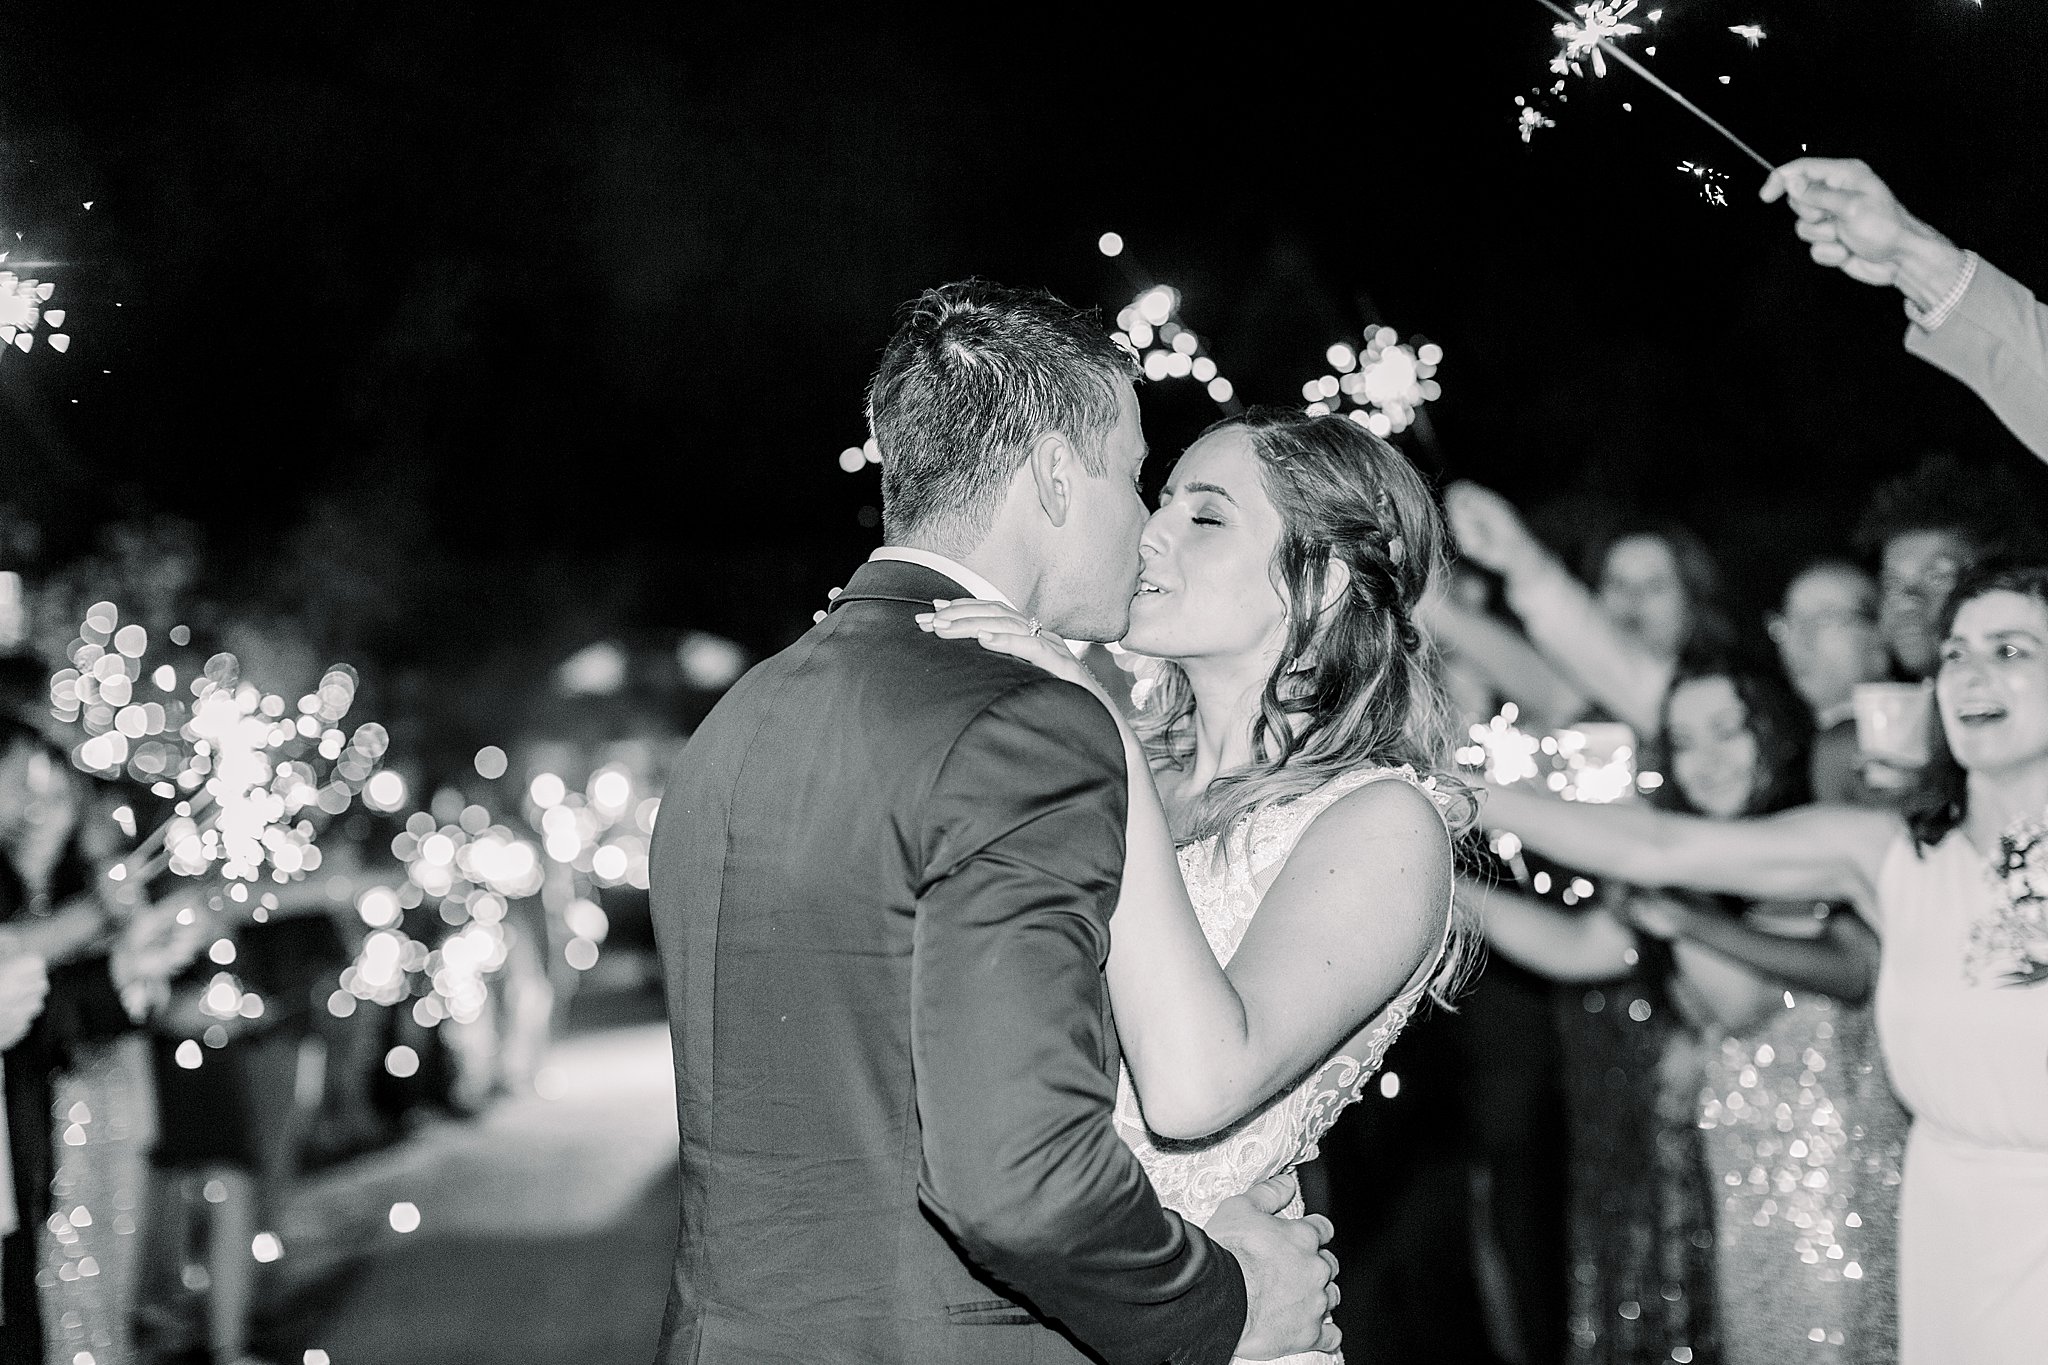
1697	1011
173	1069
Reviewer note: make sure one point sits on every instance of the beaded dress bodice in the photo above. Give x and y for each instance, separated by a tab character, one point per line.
1193	1177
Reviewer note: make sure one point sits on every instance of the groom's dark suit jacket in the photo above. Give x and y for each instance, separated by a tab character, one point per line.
883	876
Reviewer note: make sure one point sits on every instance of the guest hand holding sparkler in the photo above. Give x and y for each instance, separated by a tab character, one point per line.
155	944
1967	317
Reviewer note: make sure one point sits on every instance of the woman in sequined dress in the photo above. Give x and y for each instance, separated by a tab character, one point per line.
1802	1134
1956	891
1639	1200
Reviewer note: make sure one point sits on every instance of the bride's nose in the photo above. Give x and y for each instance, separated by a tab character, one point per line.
1152	540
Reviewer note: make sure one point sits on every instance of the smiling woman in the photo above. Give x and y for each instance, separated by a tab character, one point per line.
1965	1041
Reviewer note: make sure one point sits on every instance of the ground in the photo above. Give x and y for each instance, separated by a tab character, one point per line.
545	1227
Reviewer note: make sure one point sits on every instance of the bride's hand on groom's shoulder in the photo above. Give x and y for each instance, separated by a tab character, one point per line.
1005	630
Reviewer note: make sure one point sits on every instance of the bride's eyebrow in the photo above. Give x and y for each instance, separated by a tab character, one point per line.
1217	489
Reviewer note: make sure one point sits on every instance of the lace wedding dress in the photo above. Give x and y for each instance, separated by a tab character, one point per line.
1193	1177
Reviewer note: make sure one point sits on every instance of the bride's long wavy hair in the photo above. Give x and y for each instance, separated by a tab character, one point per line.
1357	684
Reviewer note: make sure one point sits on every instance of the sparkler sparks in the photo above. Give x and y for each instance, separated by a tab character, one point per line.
253	781
1712	182
1151	327
22	311
1750	33
1530	118
1590	34
1593	763
1598	22
1383	383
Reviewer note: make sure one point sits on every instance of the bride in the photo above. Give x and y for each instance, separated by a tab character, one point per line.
1286	901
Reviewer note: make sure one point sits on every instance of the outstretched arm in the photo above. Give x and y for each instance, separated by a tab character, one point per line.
1967	317
1841	960
1561	616
1515	668
1354	912
1816	852
1590	945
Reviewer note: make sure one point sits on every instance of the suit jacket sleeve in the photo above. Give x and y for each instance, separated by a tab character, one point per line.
1024	835
1996	342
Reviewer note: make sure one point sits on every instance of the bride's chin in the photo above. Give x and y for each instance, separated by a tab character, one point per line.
1138	641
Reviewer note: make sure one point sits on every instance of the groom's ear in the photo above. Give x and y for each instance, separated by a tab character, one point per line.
1054	468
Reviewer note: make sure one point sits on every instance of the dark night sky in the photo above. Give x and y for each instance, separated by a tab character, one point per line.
550	323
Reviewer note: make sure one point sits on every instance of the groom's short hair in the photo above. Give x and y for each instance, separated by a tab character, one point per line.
974	374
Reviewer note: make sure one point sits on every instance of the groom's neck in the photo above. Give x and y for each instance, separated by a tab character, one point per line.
995	558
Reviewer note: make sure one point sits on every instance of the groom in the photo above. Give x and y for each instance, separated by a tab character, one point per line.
883	877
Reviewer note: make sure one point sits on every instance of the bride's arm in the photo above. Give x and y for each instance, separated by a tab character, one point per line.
1357	907
1359	904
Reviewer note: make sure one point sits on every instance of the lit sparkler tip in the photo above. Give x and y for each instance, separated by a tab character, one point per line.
1711	182
1599	21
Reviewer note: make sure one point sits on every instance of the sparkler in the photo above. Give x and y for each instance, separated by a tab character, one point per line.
1152	328
1586	35
1589	32
253	780
1591	763
1531	118
1383	381
1750	33
1712	182
22	311
473	867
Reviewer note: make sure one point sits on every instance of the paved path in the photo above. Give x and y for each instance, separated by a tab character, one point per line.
545	1227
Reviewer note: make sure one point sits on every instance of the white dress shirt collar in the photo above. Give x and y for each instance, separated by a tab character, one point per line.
976	585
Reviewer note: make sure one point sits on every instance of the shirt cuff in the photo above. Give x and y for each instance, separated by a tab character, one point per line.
1928	319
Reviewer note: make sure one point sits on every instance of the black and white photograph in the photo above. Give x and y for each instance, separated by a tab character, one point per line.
1153	685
